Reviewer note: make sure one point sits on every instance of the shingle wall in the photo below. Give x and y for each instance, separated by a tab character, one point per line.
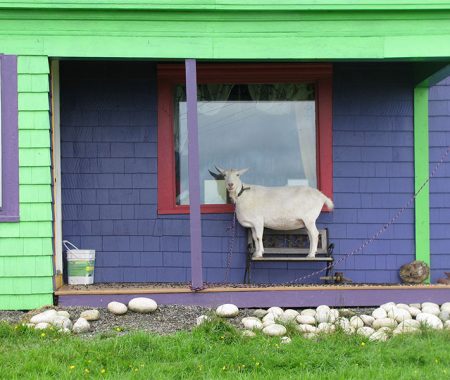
109	149
439	129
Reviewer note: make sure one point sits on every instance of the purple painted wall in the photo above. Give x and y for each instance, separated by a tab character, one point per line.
109	178
439	134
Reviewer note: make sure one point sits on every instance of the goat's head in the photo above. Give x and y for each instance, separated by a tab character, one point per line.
231	177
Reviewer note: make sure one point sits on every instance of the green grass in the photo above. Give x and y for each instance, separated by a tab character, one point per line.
217	351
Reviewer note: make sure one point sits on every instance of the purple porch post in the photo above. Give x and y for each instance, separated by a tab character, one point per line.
194	179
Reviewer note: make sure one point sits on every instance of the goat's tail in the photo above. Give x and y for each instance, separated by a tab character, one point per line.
329	203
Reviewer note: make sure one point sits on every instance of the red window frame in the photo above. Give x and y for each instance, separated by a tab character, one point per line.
170	75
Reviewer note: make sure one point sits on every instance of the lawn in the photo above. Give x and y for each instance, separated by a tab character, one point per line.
217	351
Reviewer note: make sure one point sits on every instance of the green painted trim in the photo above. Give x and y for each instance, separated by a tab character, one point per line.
421	171
325	5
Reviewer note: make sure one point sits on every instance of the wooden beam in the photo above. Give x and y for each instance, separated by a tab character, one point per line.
194	175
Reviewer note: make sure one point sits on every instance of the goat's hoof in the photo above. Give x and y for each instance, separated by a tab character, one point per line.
311	256
257	255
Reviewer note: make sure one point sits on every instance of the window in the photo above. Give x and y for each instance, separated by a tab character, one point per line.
9	163
272	118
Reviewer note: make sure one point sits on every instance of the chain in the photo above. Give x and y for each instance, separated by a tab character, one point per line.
230	247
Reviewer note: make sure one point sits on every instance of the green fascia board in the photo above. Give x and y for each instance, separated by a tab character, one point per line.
173	34
34	120
325	5
35	176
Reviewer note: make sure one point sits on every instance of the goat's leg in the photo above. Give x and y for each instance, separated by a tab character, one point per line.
255	240
313	235
259	229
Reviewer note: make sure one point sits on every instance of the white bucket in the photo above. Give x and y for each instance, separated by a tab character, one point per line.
80	264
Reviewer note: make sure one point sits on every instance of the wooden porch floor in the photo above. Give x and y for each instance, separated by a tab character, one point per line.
254	296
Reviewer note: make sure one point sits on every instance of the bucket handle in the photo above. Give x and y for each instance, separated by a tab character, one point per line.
67	242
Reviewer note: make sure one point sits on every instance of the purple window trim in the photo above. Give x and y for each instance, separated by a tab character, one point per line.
10	151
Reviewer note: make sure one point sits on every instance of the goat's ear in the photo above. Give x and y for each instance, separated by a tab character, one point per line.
242	171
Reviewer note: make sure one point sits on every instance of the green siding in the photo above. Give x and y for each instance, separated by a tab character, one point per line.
26	250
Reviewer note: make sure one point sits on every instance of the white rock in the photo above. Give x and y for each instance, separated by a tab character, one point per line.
269	317
117	308
310	312
44	317
403	306
414	311
430	304
445	307
275	310
447	325
380	335
322	308
290	315
63	313
409	323
345	325
416	305
227	310
430	309
42	326
310	335
274	330
29	325
259	313
334	313
285	340
90	315
444	315
365	331
324	316
202	319
307	328
388	306
356	322
306	320
81	326
326	327
142	305
384	322
61	322
252	323
430	320
248	334
379	313
399	315
407	326
367	319
65	331
268	322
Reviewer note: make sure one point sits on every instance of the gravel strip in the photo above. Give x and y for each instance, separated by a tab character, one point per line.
166	319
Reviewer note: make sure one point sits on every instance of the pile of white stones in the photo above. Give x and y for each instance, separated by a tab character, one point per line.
387	320
61	320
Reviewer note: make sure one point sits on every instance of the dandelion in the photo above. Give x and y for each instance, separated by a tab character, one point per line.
224	368
71	367
103	370
257	364
363	344
42	335
86	370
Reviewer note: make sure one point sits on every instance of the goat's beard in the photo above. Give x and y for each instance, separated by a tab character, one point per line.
233	196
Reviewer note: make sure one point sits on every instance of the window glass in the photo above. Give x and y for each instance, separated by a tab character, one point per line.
268	128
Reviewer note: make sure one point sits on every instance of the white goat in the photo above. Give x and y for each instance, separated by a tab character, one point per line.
278	208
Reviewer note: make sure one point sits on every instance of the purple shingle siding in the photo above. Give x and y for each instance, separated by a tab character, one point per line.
439	138
109	177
